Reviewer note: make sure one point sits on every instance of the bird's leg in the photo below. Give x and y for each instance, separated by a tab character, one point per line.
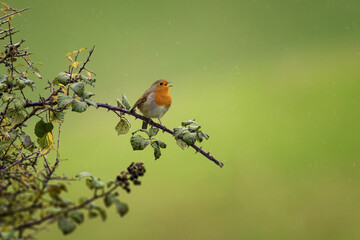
159	121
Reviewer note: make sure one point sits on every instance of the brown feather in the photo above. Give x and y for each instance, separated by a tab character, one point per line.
141	100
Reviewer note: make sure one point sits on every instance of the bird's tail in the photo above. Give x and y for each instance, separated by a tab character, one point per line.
144	125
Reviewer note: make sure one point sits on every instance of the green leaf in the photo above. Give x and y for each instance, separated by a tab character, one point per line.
93	214
23	82
123	126
55	210
194	128
3	78
57	116
4	145
78	88
78	106
125	101
201	135
82	200
178	131
6	97
122	208
26	140
153	131
2	87
157	152
64	100
10	81
181	143
16	117
87	95
19	104
101	212
77	217
83	174
91	102
87	80
94	182
161	144
204	135
62	78
7	235
66	225
138	142
189	138
188	122
41	128
109	199
109	183
119	103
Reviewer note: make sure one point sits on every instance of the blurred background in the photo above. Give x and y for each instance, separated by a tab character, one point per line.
274	83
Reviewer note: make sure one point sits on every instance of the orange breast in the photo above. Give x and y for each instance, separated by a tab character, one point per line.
162	97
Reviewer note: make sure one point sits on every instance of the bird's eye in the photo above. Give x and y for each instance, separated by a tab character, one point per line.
161	83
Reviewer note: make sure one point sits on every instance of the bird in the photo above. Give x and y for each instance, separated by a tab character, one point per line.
155	101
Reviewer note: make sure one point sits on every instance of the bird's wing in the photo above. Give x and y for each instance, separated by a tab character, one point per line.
141	100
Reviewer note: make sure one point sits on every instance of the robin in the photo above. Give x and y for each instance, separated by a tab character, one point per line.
155	101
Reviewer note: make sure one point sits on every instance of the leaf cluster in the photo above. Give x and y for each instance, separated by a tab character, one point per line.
139	142
189	133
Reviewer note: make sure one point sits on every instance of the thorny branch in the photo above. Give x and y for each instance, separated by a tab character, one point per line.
136	115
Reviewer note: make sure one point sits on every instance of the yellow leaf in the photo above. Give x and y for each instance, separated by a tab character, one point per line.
46	141
1	53
75	64
27	58
37	74
5	5
63	88
69	54
3	11
88	74
40	63
74	75
83	48
69	57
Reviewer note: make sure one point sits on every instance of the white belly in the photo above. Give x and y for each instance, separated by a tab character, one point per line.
150	110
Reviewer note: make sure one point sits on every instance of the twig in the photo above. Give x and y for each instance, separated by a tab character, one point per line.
53	216
87	60
149	121
13	13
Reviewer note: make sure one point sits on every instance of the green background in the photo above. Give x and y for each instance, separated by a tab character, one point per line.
274	83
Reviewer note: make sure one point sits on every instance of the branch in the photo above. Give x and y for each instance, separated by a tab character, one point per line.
147	120
87	60
13	13
53	216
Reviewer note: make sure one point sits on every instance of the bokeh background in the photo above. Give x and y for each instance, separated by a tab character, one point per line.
274	83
